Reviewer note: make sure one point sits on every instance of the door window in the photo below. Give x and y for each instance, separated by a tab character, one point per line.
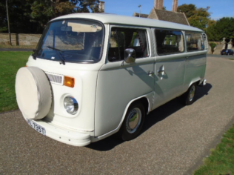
169	42
123	38
195	41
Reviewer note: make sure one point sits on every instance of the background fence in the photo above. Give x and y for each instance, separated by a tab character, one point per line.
20	39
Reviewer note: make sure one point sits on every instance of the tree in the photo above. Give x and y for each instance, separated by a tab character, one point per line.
19	14
212	45
197	17
223	28
188	9
44	10
30	16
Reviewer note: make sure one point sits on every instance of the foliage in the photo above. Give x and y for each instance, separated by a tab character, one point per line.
10	62
223	28
188	9
212	45
31	16
221	160
197	17
19	13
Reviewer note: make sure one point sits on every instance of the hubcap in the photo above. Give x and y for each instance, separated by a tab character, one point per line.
192	93
133	120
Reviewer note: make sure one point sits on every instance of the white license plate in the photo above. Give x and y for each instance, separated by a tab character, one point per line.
37	127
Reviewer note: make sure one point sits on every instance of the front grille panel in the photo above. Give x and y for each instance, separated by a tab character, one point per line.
55	78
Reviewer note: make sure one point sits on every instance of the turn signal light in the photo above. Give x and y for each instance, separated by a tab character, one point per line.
69	81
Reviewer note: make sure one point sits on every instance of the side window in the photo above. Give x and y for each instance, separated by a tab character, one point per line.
123	38
169	42
195	41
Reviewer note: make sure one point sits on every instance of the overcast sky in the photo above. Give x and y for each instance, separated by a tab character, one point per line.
218	8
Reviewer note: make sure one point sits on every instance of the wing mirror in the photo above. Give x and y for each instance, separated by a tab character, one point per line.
129	55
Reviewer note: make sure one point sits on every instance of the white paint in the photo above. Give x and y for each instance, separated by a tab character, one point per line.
105	90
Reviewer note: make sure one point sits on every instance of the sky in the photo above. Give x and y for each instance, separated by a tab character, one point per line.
218	8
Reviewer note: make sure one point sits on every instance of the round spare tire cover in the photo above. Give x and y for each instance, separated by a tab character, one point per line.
33	92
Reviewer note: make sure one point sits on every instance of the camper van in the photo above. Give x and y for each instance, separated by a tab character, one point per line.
94	75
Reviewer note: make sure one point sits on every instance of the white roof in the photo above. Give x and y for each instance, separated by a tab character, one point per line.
128	20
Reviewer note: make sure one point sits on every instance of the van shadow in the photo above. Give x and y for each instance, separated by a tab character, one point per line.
153	118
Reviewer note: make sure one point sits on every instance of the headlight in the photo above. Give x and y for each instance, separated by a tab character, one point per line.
71	105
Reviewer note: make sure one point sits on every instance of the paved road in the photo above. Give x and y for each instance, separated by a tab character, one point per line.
221	56
175	138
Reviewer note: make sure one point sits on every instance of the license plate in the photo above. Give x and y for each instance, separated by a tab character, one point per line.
37	127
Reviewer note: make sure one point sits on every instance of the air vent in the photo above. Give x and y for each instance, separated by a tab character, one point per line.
55	78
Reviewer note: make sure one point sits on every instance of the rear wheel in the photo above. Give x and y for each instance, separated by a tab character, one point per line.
189	96
133	122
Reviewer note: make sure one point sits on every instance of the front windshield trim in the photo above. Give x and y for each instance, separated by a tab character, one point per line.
40	43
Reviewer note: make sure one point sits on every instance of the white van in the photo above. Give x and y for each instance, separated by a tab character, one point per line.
93	75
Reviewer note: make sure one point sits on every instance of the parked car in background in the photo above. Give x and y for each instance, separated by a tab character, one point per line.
227	52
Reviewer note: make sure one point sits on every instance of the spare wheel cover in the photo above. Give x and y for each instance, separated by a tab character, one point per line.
33	92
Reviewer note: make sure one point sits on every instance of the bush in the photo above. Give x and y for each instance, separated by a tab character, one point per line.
212	45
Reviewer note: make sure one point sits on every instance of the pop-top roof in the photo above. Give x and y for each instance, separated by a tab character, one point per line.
128	20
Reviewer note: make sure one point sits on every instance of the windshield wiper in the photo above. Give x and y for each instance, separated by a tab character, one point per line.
62	59
35	53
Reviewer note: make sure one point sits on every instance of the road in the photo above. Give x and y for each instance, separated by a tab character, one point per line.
175	138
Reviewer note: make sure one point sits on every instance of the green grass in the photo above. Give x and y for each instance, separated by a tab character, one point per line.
10	62
231	58
221	160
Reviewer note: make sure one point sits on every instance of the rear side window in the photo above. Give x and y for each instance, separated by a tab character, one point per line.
195	41
169	42
123	38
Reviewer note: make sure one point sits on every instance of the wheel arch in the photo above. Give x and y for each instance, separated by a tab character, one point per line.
195	81
146	100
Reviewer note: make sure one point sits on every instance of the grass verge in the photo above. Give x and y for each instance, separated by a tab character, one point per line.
221	160
231	58
17	47
10	62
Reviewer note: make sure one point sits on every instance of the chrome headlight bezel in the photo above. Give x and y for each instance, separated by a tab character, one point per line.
71	105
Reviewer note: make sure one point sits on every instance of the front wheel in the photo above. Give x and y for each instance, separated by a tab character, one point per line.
133	122
189	96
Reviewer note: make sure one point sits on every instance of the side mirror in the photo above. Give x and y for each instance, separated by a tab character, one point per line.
129	55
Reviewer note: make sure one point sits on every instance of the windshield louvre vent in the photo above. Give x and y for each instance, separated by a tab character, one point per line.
55	78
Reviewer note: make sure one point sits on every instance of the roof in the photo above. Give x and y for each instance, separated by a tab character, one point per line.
170	16
176	17
127	20
140	15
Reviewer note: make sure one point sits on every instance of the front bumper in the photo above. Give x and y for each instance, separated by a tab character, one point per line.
203	82
69	137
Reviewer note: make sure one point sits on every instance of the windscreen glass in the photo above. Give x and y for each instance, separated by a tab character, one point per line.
77	41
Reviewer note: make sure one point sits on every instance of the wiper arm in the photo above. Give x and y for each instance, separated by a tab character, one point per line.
60	54
35	53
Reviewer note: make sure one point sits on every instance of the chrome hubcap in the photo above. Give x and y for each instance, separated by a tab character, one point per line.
133	120
192	93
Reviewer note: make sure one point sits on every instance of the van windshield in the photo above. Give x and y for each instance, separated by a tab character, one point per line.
76	41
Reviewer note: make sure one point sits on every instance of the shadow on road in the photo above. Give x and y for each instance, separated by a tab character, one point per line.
154	117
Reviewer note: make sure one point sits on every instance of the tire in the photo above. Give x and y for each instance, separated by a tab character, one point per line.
189	97
33	93
131	129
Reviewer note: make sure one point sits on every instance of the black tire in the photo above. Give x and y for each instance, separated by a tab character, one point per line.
189	97
126	132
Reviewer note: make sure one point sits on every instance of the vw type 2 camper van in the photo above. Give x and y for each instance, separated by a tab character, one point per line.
93	75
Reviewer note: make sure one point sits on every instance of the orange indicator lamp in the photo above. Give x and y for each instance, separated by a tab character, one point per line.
69	81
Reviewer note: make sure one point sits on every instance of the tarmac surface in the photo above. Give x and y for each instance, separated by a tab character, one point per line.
175	138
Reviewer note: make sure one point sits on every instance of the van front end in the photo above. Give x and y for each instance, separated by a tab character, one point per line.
56	90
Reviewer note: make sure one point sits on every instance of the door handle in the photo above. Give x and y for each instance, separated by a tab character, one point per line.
161	70
150	73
